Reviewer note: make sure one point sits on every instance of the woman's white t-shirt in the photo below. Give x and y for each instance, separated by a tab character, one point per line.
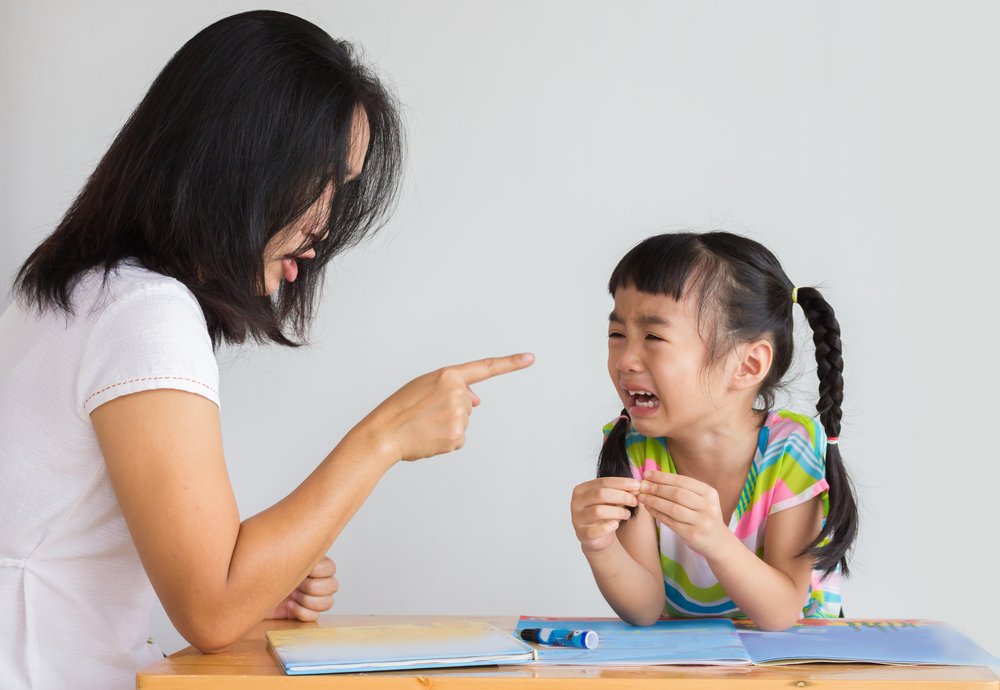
74	599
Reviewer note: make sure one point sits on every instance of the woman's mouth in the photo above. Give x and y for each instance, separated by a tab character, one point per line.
290	269
290	264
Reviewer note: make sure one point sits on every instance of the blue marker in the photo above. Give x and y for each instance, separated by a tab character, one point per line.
584	639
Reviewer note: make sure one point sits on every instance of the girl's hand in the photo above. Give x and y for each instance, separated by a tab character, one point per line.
313	596
690	508
597	508
430	414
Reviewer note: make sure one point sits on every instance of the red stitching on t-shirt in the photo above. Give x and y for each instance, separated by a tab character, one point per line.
148	378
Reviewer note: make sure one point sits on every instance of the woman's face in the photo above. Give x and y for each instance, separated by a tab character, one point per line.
294	242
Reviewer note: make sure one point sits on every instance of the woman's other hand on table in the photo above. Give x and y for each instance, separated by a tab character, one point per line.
313	596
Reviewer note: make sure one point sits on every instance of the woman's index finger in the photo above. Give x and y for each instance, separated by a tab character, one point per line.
482	369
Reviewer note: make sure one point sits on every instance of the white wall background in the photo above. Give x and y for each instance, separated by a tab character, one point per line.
857	139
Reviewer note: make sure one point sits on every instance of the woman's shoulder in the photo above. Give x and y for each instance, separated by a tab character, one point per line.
129	285
144	331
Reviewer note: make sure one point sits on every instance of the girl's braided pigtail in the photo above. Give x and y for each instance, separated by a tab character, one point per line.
841	525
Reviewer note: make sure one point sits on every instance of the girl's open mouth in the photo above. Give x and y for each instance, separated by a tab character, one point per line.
642	402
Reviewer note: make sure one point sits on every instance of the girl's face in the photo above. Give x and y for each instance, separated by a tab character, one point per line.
293	243
657	361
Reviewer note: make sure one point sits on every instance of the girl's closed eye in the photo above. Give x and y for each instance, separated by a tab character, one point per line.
616	334
653	336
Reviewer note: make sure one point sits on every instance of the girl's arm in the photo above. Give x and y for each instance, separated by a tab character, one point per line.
624	556
771	591
217	576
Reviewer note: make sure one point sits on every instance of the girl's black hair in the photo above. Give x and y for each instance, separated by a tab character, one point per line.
242	132
743	294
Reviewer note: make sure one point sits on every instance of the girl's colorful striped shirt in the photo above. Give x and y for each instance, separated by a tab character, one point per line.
788	469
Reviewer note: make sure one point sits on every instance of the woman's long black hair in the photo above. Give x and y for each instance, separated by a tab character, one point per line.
243	130
742	288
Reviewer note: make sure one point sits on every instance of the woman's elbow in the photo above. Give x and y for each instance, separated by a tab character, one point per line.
209	646
208	636
209	641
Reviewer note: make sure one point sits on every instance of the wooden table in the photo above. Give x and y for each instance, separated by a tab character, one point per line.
248	665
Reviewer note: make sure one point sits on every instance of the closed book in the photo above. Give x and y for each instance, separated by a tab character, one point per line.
350	649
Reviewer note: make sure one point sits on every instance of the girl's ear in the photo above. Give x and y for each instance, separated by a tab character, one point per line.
754	363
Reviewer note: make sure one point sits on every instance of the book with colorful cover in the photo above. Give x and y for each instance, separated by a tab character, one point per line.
705	641
866	641
395	647
721	641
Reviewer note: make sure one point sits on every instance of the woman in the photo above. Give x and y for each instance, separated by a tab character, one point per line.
262	150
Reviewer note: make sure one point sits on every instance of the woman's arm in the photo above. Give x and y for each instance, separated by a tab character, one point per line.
623	554
217	576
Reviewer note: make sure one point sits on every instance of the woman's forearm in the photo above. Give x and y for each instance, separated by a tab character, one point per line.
276	548
217	576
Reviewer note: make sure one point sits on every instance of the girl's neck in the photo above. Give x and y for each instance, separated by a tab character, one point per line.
727	444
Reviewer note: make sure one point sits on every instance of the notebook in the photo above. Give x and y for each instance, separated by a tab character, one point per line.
867	641
395	647
726	642
711	641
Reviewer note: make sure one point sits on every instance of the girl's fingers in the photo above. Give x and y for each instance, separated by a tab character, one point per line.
619	490
595	486
674	511
673	525
680	480
677	494
614	497
602	500
620	483
601	513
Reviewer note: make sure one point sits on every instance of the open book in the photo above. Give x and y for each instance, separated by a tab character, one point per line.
395	647
724	642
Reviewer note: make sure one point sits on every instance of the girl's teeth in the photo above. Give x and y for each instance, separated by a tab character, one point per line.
642	398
